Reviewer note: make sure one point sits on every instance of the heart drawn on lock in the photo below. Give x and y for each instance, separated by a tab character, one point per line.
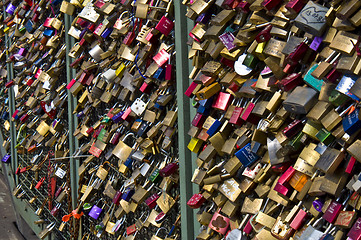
48	109
219	223
313	15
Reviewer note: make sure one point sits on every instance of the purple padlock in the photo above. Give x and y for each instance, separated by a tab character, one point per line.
10	9
227	39
316	43
95	212
6	158
318	204
204	17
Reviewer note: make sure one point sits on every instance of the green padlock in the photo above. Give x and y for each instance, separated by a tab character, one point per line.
337	98
155	177
325	136
250	61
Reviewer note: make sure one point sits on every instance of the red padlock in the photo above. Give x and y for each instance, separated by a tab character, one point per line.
264	35
298	53
222	101
295	6
290	82
117	197
196	201
129	38
198	120
152	201
161	58
287	175
299	219
9	84
169	169
40	183
165	26
191	88
271	4
126	114
293	128
131	229
95	151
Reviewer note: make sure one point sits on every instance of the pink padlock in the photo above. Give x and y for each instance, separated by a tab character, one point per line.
165	26
355	232
219	223
286	176
189	91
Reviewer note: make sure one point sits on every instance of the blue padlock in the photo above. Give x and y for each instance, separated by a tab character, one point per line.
159	74
128	163
203	110
56	2
106	33
127	195
82	33
5	115
157	106
48	32
117	117
142	129
351	123
6	158
215	126
207	103
38	62
246	156
345	84
29	26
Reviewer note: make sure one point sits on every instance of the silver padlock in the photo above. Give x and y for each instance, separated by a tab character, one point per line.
312	232
237	233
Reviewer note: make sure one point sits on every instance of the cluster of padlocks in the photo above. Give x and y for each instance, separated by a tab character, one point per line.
127	118
36	79
102	74
275	85
276	88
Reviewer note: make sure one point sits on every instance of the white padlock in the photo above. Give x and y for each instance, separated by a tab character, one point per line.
138	106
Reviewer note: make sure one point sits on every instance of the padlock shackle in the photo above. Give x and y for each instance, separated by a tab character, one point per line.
128	135
156	233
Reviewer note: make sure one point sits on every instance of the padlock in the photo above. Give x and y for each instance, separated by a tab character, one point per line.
196	201
152	200
219	223
155	237
138	106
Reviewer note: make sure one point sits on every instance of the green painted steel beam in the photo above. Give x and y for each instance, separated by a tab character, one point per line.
184	116
73	143
72	121
192	110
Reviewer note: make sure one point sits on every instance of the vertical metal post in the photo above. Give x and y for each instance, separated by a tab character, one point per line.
192	110
73	143
188	220
72	121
